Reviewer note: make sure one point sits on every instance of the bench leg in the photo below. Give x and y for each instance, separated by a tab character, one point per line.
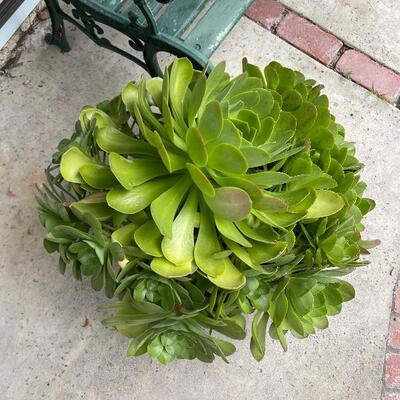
150	58
57	37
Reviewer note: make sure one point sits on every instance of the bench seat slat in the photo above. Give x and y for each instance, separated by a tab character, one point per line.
121	8
134	9
178	15
216	24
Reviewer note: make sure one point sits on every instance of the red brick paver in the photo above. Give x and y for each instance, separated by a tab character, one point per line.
394	333
396	304
266	12
310	38
392	396
392	371
391	377
370	74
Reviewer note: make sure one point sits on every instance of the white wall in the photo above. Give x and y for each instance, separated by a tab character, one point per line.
8	29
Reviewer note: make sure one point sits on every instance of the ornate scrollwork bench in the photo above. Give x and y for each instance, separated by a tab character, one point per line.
190	28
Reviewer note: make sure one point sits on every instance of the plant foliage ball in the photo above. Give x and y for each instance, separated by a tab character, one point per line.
199	199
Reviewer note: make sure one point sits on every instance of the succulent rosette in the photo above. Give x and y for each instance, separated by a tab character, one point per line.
199	199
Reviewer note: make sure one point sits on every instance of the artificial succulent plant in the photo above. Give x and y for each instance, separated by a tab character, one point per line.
196	200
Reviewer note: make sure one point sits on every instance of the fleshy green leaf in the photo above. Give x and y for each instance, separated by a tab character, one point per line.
278	309
200	180
206	245
124	236
148	238
131	173
258	331
292	100
137	199
196	147
163	267
164	207
270	204
71	162
97	176
102	119
179	248
231	278
229	230
180	78
228	159
111	139
198	95
262	253
211	121
267	179
255	156
326	203
281	220
154	86
99	210
230	203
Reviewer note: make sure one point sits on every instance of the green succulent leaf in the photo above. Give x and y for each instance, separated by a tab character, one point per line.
258	331
211	121
97	176
165	206
201	180
131	173
198	96
230	203
326	203
148	238
196	147
137	199
154	86
229	230
178	249
268	179
180	78
124	235
71	162
228	159
207	244
230	279
163	267
279	309
110	139
99	210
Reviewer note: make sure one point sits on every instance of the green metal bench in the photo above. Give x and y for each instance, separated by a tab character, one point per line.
185	28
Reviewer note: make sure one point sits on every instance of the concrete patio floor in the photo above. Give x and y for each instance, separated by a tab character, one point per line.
47	349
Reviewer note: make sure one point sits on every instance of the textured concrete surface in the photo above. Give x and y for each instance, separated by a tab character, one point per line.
370	25
47	352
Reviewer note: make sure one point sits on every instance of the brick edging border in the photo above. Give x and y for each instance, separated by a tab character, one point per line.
391	369
327	48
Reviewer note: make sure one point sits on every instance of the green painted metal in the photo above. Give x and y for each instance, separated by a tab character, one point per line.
151	27
122	9
216	24
179	15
